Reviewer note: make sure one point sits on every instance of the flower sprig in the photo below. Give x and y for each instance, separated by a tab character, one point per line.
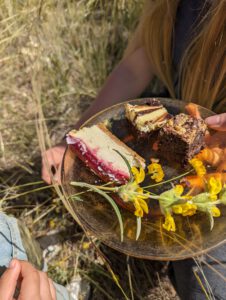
133	193
174	202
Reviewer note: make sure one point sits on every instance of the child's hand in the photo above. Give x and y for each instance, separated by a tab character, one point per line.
217	122
33	284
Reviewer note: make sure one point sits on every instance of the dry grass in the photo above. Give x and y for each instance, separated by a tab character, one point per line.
65	47
61	52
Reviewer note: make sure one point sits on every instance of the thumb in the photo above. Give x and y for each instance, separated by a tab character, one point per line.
217	122
8	281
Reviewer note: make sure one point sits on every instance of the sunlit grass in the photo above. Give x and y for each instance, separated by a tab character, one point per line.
70	46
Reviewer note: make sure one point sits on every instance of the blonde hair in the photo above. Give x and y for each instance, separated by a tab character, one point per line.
202	68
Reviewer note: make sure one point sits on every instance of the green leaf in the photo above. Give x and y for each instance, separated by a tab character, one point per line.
167	198
127	164
108	198
201	198
211	220
138	228
223	196
206	208
77	198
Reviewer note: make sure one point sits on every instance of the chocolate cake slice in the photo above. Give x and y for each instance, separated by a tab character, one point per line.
147	118
181	138
96	146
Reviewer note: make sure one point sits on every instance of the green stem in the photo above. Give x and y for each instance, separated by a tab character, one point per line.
156	197
28	192
12	188
169	180
151	193
108	198
111	189
100	187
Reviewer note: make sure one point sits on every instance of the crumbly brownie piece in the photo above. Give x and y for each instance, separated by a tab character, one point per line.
181	138
146	118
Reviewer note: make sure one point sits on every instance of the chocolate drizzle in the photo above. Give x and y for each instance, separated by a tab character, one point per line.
147	111
148	117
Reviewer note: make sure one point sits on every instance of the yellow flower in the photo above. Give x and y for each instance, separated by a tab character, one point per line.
156	171
139	175
52	223
177	209
140	207
86	245
198	166
215	211
169	224
178	189
223	195
214	187
213	197
185	209
132	192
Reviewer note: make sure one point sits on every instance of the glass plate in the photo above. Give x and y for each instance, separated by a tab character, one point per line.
193	235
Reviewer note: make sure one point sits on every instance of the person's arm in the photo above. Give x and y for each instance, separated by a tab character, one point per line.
127	81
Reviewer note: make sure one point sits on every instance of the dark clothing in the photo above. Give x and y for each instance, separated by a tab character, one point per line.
182	272
212	274
189	13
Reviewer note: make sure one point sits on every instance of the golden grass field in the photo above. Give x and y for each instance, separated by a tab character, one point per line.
54	57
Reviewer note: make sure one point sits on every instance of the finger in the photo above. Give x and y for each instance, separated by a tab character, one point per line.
50	176
45	287
30	282
57	176
9	279
47	166
51	159
46	175
217	122
53	155
52	289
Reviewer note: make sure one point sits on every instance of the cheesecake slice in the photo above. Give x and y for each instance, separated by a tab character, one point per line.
96	146
147	118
